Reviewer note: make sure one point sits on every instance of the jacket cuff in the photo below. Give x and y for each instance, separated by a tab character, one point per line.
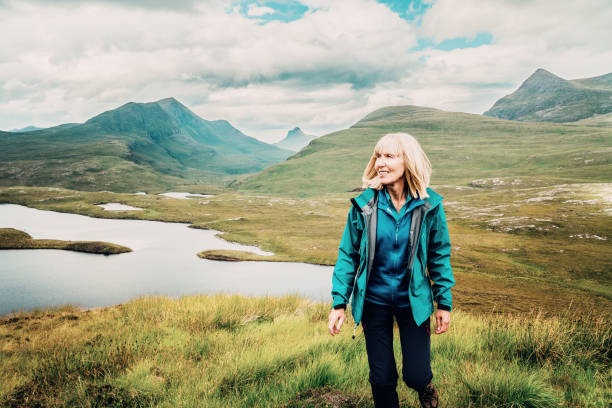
444	307
338	300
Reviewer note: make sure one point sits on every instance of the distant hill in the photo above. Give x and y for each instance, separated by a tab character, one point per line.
136	146
544	97
461	146
25	129
295	140
596	120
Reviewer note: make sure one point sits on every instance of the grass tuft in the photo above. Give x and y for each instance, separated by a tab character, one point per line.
507	387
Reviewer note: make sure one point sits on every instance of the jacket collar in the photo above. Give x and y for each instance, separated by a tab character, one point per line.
367	199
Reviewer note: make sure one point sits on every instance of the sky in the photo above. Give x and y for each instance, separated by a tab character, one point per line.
268	66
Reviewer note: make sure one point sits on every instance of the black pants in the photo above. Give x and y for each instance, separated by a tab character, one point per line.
416	368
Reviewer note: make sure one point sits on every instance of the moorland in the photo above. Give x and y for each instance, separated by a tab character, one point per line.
529	210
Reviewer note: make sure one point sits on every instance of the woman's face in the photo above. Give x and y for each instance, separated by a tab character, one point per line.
390	167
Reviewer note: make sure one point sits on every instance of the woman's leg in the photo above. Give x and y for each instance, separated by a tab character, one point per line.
377	324
416	363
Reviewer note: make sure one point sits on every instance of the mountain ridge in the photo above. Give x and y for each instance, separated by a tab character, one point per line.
295	140
163	138
546	97
25	129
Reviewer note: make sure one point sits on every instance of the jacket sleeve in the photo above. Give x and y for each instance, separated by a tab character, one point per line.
348	259
438	260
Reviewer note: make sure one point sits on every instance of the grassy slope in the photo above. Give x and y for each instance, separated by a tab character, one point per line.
76	159
461	147
275	352
596	120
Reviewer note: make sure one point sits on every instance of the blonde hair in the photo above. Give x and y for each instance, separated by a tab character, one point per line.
417	166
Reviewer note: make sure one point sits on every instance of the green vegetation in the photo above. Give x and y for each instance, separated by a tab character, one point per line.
222	351
544	97
596	120
138	146
461	147
515	247
11	238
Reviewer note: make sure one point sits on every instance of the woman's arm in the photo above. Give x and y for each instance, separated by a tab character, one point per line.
348	259
343	277
438	260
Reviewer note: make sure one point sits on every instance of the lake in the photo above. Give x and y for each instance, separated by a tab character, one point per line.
163	262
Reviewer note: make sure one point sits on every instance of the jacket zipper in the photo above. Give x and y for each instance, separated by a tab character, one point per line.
396	231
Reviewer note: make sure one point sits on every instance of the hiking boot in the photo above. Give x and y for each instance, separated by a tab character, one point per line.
428	396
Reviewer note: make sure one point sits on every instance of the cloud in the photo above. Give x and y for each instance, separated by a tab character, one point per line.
182	5
257	11
105	54
66	61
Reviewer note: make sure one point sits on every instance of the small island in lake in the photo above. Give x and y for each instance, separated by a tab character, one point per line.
11	238
232	255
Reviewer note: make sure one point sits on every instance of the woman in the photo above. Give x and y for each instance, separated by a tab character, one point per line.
395	230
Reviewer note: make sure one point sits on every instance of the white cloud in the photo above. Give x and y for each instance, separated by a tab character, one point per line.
571	41
105	55
257	11
576	23
65	63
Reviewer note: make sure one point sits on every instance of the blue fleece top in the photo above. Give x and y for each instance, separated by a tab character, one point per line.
389	281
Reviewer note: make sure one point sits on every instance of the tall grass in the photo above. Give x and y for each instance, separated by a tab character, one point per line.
220	351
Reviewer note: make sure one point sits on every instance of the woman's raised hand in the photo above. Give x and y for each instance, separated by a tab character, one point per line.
336	315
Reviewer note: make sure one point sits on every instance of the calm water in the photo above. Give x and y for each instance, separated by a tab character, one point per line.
119	207
184	196
163	262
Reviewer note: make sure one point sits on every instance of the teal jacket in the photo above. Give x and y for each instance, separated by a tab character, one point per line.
431	251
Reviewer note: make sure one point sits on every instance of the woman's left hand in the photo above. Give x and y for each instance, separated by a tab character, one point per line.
442	321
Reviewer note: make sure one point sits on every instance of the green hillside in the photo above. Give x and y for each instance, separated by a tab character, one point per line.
596	120
136	146
462	147
544	97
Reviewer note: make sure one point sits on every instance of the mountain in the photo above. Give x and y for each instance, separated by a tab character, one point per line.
295	140
461	147
25	129
544	97
138	145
